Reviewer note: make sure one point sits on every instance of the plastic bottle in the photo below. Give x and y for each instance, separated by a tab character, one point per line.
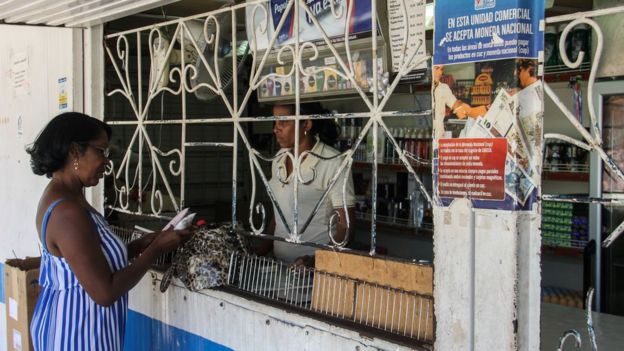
381	140
409	142
389	148
428	145
420	137
400	141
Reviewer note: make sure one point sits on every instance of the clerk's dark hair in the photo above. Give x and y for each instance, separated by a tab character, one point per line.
326	129
48	153
527	64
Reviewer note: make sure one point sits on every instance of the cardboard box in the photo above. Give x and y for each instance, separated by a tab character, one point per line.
390	295
21	279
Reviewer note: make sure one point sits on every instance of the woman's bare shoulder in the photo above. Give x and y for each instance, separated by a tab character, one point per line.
66	209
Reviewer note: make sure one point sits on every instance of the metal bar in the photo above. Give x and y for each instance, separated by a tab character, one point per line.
120	210
583	200
393	309
247	274
376	318
183	136
294	233
427	319
340	300
420	316
209	144
360	288
387	308
236	116
333	311
594	13
400	309
397	114
414	315
368	300
140	93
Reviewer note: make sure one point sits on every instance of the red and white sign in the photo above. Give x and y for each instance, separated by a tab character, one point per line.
472	168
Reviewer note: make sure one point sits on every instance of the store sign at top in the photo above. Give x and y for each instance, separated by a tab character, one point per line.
489	30
359	22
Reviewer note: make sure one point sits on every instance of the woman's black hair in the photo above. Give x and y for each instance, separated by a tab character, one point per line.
326	129
48	153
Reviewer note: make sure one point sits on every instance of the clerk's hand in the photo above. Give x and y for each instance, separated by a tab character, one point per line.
304	261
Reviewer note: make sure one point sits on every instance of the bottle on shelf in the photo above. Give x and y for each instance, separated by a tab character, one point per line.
389	148
400	142
428	145
409	141
416	209
381	141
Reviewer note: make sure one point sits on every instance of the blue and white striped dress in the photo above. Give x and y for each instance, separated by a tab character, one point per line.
65	317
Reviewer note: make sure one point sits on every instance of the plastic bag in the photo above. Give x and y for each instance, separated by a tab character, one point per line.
203	261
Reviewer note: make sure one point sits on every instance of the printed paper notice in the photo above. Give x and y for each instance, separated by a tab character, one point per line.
472	168
12	308
407	31
17	340
19	74
62	94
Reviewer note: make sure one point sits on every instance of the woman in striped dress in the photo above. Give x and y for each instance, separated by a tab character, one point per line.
85	276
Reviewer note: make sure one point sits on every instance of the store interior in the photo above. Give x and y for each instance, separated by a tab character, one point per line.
404	219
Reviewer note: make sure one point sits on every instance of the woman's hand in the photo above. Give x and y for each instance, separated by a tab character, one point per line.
136	247
169	240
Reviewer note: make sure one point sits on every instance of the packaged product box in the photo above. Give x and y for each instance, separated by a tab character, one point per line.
310	81
279	82
331	79
21	279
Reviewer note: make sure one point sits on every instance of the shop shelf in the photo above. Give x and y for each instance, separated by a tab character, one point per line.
563	251
399	225
566	172
391	166
563	73
566	176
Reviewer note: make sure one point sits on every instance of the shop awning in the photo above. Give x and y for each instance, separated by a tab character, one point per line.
72	13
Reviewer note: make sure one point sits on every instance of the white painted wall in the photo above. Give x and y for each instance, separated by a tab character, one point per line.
52	53
240	323
474	283
612	26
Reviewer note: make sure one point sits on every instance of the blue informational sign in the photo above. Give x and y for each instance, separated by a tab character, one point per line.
485	30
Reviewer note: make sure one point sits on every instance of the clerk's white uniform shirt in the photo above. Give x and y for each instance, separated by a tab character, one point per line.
442	97
317	174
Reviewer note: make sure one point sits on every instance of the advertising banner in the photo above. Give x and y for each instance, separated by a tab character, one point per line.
487	30
359	23
488	115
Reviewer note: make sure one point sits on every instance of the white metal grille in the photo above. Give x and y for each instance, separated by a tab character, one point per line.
141	94
382	307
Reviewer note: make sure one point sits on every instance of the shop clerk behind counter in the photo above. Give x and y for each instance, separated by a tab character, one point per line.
315	136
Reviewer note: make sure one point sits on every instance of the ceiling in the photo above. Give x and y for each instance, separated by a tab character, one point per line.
563	7
83	13
185	8
72	13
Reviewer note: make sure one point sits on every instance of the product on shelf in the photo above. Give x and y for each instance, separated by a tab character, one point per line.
481	91
564	224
